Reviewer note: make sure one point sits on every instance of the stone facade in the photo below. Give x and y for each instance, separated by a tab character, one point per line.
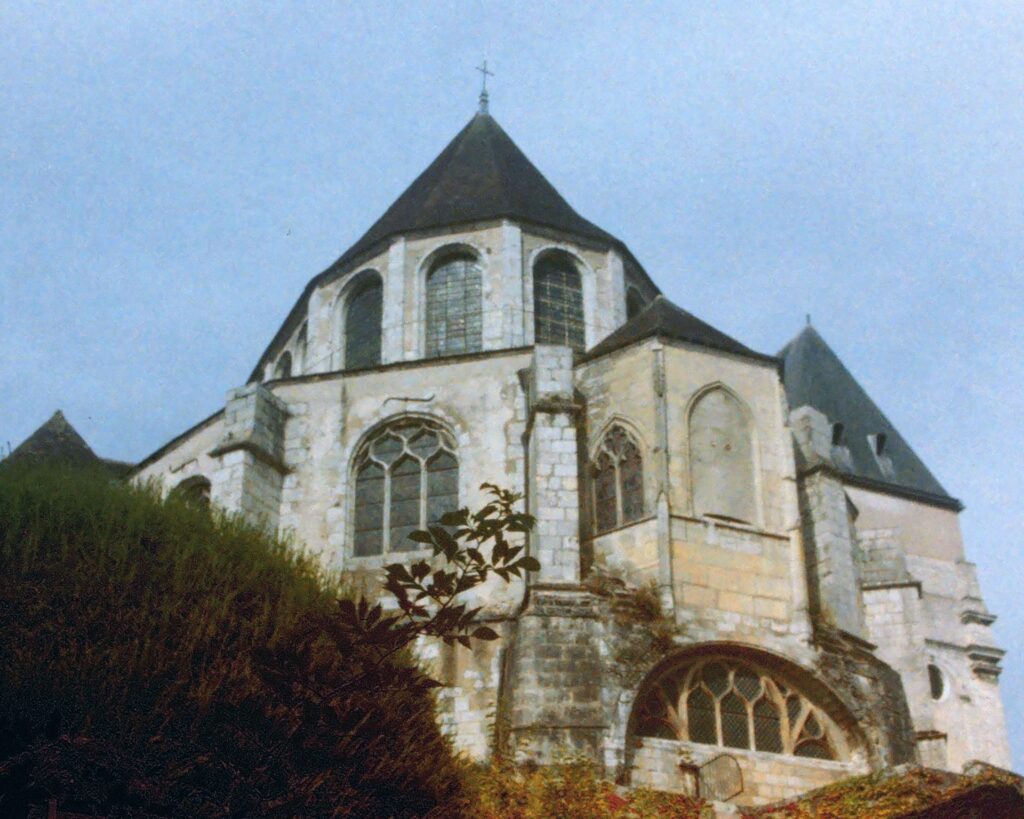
753	550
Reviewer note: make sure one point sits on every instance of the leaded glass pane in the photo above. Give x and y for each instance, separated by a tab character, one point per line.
604	492
424	444
747	683
767	731
700	717
405	504
454	305
558	302
388	448
369	510
716	677
632	477
442	486
813	749
735	727
363	325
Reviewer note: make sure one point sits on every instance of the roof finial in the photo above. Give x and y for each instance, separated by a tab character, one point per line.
484	99
808	319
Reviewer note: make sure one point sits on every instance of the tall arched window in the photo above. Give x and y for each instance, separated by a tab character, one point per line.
734	704
558	301
406	476
454	306
618	480
722	458
363	312
284	366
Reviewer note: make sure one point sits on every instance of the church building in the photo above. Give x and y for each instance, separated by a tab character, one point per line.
747	575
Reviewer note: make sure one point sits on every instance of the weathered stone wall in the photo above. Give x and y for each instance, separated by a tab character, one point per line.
765	777
555	676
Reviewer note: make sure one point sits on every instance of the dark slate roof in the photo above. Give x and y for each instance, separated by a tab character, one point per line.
663	319
57	441
815	376
481	175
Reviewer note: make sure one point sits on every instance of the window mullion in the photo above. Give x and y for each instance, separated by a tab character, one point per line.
386	517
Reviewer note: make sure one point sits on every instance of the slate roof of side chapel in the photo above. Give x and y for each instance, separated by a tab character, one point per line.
814	376
480	176
663	319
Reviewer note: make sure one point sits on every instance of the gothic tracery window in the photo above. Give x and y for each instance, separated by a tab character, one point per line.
454	306
734	704
406	476
558	301
618	478
364	310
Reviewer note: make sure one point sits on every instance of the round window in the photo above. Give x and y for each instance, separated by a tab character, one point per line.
937	682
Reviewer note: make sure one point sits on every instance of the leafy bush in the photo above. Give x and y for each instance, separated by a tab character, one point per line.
137	638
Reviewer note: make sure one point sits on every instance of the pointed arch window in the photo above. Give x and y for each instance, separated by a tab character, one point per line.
454	306
284	366
302	347
364	310
618	476
558	301
733	704
722	458
406	476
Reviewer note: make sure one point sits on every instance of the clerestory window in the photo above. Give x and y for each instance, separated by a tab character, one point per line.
734	704
454	306
363	313
618	480
558	301
406	476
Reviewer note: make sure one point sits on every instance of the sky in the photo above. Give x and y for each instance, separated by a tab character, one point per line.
173	174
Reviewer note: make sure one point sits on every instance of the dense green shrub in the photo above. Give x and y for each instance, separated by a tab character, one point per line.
131	635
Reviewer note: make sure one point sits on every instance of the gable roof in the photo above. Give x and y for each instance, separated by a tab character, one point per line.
481	175
815	376
56	441
664	319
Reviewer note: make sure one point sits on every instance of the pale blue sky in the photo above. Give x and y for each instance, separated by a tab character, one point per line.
172	174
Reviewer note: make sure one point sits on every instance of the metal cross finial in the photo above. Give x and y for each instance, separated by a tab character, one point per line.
484	98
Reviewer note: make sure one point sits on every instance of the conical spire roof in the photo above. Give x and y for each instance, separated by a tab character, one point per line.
56	440
814	376
480	175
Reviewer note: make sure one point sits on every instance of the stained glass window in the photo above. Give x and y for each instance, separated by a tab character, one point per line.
735	705
363	313
454	306
618	481
558	302
406	477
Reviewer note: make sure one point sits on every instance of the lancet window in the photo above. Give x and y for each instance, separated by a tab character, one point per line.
618	479
454	306
558	301
734	704
635	302
364	310
284	366
406	476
